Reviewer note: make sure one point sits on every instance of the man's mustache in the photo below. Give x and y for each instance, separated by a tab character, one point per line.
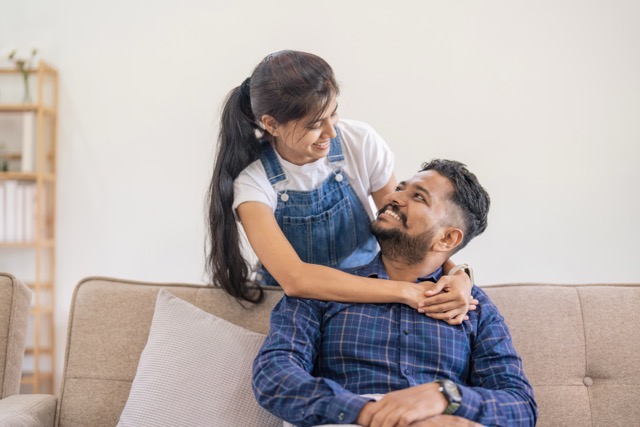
394	208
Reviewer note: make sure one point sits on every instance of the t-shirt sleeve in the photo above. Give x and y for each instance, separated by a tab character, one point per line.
380	160
252	186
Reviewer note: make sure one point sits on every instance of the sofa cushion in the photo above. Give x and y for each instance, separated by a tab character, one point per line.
194	370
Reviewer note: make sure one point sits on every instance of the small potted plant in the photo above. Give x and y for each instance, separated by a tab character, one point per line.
23	60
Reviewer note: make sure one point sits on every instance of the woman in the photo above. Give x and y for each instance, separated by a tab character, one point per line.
299	181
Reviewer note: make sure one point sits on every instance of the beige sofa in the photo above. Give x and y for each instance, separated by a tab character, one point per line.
580	345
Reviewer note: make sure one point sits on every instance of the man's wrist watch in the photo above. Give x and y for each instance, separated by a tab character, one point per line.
452	393
464	267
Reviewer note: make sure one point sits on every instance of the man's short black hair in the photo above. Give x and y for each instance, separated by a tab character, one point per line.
468	195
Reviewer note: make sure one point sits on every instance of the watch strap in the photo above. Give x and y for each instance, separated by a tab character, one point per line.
464	267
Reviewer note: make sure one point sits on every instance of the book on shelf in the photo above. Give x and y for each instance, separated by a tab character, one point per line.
18	201
17	211
10	208
29	212
28	142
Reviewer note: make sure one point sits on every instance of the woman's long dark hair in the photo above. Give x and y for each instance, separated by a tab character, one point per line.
286	85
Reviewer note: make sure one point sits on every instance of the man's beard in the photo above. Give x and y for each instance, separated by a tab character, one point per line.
397	245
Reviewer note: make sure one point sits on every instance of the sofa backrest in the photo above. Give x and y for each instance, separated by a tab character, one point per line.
580	346
15	302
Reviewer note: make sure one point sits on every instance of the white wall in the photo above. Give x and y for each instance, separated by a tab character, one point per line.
540	98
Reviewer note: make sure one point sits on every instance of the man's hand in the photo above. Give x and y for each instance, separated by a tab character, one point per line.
446	421
450	299
403	407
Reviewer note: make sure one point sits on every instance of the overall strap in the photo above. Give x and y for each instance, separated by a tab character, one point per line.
335	153
271	164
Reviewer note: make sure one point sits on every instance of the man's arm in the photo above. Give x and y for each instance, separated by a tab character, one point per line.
282	382
404	407
497	391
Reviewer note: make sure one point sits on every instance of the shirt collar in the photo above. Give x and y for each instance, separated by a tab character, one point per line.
376	269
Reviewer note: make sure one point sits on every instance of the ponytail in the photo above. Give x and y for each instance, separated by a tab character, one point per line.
238	147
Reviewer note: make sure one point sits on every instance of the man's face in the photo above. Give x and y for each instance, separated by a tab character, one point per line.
414	217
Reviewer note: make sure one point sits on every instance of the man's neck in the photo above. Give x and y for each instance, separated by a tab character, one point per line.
401	271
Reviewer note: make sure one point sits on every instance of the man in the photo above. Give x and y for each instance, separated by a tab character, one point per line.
321	358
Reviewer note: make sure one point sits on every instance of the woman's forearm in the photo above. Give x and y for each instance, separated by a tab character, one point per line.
313	281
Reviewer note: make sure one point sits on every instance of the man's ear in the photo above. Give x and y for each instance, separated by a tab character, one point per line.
269	123
450	238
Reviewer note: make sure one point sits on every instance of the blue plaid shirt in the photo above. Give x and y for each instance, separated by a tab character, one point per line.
320	357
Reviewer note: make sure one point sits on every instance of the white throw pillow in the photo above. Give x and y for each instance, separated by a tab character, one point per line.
194	371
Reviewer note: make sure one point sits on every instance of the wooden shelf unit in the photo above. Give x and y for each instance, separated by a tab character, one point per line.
39	363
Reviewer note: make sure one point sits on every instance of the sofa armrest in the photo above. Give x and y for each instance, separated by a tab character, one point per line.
27	410
15	301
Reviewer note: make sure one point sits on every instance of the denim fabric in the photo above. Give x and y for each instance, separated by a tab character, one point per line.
328	225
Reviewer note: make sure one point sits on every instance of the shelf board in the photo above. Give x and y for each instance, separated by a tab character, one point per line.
15	70
22	108
13	156
16	108
30	350
29	377
44	311
20	176
45	285
26	176
44	244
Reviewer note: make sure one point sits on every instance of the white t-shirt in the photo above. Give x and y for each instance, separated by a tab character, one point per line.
368	166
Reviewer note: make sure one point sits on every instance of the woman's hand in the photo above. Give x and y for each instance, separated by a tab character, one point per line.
414	293
450	299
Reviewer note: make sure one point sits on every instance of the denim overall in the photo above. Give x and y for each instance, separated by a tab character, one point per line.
328	225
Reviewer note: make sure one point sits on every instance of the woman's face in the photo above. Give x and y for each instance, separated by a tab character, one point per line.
308	139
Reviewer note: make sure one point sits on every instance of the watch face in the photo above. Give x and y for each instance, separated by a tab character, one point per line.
452	390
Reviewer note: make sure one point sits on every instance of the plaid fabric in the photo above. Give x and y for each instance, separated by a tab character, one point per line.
320	357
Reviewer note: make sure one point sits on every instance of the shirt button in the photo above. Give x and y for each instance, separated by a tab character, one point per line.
407	372
406	332
341	416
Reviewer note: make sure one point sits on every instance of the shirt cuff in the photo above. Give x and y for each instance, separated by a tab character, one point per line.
471	402
346	407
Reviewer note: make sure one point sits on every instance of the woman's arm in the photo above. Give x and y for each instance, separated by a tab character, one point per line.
306	280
